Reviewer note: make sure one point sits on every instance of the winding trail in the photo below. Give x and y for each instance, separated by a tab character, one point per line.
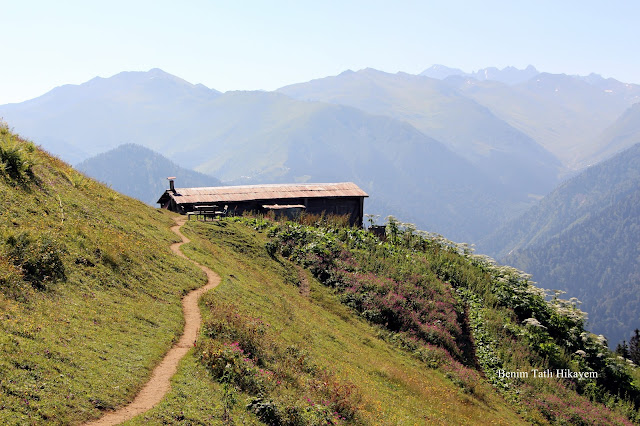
160	382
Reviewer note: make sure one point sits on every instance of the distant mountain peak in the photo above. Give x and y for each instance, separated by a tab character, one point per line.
153	73
508	75
441	72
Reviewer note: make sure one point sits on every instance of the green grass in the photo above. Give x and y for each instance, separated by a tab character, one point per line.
390	386
85	338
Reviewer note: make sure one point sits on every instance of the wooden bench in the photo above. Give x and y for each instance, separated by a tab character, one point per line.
207	211
203	211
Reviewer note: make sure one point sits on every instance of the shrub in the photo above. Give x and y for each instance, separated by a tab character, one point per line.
39	259
16	158
228	362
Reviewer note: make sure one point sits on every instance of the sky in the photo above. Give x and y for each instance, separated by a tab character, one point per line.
264	45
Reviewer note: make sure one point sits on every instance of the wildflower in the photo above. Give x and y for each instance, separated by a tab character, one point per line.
533	322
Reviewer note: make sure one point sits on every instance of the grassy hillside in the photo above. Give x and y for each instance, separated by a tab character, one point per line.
314	325
311	324
89	291
300	356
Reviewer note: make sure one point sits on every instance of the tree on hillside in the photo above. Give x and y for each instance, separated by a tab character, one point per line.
634	347
623	349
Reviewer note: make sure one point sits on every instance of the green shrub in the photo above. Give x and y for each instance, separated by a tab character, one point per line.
39	259
16	159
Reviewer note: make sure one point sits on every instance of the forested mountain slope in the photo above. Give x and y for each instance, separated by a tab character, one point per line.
141	173
582	239
621	134
597	261
588	194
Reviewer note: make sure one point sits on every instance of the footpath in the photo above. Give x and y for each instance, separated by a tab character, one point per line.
160	381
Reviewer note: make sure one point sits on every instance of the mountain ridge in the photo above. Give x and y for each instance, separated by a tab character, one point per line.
437	110
140	173
259	137
508	75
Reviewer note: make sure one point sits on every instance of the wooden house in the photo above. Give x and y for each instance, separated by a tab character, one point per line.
285	199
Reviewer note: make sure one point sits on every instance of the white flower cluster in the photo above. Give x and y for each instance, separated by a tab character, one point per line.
533	323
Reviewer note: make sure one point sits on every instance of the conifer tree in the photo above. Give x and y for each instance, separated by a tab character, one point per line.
623	349
634	347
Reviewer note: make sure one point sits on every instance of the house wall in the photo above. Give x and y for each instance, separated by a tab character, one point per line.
352	206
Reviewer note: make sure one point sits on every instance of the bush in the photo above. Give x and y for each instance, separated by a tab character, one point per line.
16	160
228	362
38	259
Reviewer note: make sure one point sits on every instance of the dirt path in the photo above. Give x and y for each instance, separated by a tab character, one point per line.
159	384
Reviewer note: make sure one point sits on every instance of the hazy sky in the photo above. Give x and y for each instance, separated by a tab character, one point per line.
248	45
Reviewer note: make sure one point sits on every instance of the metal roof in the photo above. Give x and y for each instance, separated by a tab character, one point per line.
221	194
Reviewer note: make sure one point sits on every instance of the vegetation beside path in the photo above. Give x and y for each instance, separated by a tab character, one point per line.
311	324
159	384
298	303
278	347
89	291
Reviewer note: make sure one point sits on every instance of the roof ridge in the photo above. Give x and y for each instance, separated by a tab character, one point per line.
265	192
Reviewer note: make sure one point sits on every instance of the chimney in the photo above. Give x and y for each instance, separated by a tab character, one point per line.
172	188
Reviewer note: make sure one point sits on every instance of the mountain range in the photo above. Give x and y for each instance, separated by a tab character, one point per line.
261	137
507	75
437	110
458	156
